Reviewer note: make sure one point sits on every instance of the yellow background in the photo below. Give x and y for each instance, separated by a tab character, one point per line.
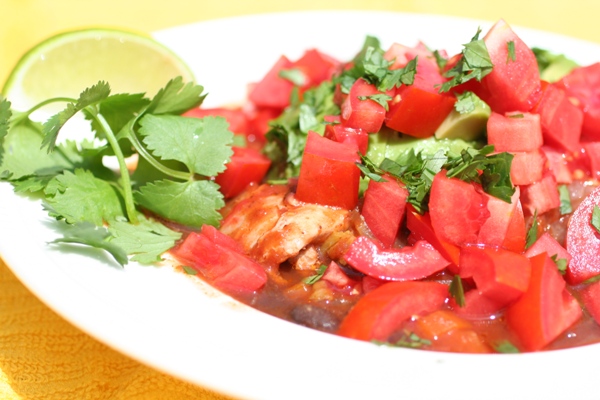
47	357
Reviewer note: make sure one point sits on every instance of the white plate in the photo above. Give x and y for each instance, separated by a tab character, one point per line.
184	328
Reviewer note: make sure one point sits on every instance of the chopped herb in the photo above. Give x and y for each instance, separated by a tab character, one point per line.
440	60
409	340
467	102
311	280
596	218
511	52
565	200
517	115
189	270
380	98
294	75
370	170
457	291
506	347
475	63
561	264
532	233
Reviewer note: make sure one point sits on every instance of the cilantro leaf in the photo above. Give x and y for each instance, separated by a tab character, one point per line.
456	291
176	97
5	114
467	102
409	340
145	241
294	75
119	109
532	232
311	280
380	98
561	263
80	196
191	203
202	144
475	63
88	97
565	200
511	56
90	235
596	218
506	347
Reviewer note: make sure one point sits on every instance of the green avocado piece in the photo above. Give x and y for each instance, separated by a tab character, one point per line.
467	121
559	67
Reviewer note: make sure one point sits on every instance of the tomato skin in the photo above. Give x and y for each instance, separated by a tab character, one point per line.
583	242
545	310
591	299
329	175
457	210
247	166
419	111
396	264
340	133
512	85
476	305
317	66
383	310
592	150
547	244
366	114
221	260
272	90
501	275
557	164
384	208
421	228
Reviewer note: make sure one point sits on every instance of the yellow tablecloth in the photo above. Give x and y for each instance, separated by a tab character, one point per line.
44	357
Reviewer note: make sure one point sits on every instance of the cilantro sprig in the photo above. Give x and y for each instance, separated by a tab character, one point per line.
176	157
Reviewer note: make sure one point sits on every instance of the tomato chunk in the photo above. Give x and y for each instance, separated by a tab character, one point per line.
360	112
396	264
247	166
505	226
583	241
546	309
457	209
384	208
221	260
273	90
329	175
382	311
514	132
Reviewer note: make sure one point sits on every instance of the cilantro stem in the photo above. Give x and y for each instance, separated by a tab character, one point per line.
125	179
19	117
154	162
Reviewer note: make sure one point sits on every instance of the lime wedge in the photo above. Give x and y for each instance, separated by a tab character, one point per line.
65	64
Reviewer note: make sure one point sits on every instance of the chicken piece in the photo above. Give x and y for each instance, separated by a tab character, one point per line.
255	215
300	225
308	259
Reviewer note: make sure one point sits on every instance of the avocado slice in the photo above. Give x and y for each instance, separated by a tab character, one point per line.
467	121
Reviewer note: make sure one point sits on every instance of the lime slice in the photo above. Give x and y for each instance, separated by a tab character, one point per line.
65	64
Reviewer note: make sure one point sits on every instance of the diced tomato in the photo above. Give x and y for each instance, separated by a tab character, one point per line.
340	133
419	109
396	264
583	84
258	122
514	83
362	113
557	164
476	305
420	226
337	277
495	230
561	120
384	208
457	210
221	260
514	132
329	175
591	300
583	241
234	116
462	341
546	309
380	312
592	150
369	283
273	90
440	322
546	243
247	166
527	167
317	66
541	196
499	274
